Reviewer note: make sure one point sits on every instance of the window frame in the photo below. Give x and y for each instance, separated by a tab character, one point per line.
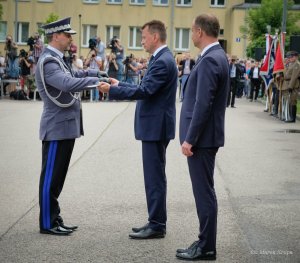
91	2
136	29
130	3
159	4
20	33
4	23
180	48
184	5
114	3
217	5
111	32
88	36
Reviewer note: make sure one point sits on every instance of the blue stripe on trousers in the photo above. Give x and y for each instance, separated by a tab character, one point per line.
47	184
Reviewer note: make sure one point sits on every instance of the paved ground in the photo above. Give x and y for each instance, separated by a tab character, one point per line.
257	182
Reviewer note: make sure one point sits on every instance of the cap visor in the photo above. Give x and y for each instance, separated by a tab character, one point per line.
72	32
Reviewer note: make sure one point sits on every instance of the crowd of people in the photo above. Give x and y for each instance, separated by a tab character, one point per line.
245	78
21	64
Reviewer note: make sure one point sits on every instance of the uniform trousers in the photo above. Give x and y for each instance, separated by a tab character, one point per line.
154	164
56	157
201	167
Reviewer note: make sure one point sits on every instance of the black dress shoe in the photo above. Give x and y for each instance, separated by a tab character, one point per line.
57	230
138	229
184	250
148	233
68	227
196	253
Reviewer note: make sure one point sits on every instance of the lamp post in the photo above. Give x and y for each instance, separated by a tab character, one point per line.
79	34
16	20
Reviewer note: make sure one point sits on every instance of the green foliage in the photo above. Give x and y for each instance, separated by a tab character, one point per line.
51	18
269	13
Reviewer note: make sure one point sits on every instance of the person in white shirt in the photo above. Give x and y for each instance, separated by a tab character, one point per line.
255	80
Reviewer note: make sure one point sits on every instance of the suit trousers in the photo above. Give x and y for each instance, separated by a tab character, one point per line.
232	92
154	164
56	157
201	167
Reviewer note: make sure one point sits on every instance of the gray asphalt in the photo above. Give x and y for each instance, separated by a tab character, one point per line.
256	177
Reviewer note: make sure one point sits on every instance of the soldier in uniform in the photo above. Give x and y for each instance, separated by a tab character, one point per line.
291	86
61	121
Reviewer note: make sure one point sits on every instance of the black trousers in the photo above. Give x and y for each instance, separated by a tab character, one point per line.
255	85
56	156
232	92
201	167
154	164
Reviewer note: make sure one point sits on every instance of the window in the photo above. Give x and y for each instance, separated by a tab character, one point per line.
135	37
3	31
217	2
89	31
184	2
90	1
160	2
182	39
114	1
137	2
22	33
112	31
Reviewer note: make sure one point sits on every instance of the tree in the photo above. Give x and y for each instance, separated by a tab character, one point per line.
51	18
269	13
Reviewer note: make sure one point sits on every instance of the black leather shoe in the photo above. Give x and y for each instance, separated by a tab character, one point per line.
148	233
57	230
68	227
196	253
184	250
138	229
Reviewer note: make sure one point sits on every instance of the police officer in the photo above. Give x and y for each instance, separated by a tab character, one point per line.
291	86
61	121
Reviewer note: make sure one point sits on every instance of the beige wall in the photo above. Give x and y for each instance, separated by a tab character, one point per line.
126	15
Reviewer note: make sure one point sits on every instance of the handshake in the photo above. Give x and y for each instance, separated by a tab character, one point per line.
105	82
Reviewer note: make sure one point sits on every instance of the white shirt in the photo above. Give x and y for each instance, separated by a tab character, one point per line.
255	73
208	47
157	50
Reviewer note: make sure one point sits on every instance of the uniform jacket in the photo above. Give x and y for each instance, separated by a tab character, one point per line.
59	123
203	108
155	109
291	76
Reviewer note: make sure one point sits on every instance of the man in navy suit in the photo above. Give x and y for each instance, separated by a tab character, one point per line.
154	122
202	130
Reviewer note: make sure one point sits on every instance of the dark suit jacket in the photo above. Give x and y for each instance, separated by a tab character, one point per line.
203	108
155	110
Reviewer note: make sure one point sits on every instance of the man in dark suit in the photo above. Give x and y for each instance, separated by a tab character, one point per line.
202	130
61	121
154	122
185	67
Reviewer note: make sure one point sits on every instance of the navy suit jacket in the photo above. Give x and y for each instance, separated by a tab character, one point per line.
205	97
155	115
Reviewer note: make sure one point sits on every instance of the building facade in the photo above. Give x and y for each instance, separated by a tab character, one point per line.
124	18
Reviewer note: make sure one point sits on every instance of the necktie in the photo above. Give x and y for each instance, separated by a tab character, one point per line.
151	59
